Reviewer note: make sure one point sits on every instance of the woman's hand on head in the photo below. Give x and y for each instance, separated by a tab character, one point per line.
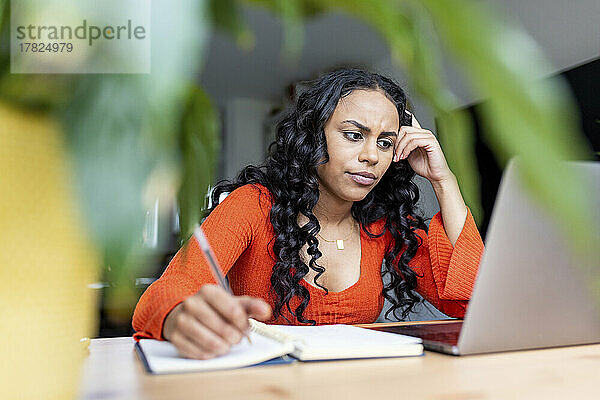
423	152
208	323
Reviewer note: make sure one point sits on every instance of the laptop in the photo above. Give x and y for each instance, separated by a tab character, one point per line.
530	291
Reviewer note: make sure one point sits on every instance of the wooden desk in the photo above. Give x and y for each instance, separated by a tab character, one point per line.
112	371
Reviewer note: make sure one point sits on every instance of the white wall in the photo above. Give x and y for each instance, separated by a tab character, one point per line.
567	31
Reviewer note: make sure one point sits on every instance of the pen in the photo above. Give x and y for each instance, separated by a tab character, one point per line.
212	261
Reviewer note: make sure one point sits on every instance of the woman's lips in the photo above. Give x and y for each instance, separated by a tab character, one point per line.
362	180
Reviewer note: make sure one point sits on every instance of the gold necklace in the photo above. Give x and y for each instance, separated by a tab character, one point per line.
339	242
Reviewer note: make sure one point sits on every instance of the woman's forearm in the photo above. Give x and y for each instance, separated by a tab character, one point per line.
452	207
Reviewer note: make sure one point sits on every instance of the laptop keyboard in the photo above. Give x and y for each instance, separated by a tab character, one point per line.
447	332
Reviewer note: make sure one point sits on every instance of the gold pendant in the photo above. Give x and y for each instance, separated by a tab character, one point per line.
340	244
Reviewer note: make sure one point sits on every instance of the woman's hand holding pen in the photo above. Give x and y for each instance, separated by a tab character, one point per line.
208	323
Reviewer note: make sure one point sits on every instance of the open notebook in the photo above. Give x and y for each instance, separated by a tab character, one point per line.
276	343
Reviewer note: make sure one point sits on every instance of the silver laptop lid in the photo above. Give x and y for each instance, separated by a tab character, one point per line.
529	293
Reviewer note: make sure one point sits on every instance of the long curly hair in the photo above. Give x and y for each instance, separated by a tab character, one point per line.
290	174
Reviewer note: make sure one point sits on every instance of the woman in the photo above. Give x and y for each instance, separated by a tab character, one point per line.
302	238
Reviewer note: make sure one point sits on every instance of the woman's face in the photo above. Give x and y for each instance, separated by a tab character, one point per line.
360	135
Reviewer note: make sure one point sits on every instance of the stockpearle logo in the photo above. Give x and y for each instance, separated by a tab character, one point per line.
80	36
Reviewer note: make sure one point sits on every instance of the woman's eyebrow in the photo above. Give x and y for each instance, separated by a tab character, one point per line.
358	125
367	129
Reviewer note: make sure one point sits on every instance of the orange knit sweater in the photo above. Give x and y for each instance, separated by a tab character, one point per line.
241	235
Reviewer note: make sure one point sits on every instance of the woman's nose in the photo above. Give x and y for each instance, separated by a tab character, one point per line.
369	152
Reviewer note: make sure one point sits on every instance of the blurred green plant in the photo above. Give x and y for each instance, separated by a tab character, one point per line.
121	128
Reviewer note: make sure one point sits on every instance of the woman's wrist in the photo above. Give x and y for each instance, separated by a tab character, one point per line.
168	322
452	206
445	184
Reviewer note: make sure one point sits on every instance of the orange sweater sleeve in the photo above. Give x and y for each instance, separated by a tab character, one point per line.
445	273
229	230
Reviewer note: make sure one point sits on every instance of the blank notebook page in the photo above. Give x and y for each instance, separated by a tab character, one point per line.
345	341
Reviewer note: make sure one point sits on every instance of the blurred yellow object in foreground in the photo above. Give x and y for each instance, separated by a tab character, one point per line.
46	263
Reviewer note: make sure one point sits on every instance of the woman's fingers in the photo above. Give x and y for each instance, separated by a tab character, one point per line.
256	308
404	133
200	310
410	140
202	337
208	323
187	348
425	143
227	306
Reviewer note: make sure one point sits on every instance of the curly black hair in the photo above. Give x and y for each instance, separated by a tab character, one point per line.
290	175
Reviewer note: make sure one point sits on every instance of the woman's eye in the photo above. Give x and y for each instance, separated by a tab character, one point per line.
385	144
354	136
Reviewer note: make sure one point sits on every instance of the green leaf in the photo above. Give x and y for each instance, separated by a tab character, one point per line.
293	32
525	114
292	14
200	146
456	133
111	160
123	127
227	15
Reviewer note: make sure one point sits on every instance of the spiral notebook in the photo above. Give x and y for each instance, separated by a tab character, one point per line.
281	344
